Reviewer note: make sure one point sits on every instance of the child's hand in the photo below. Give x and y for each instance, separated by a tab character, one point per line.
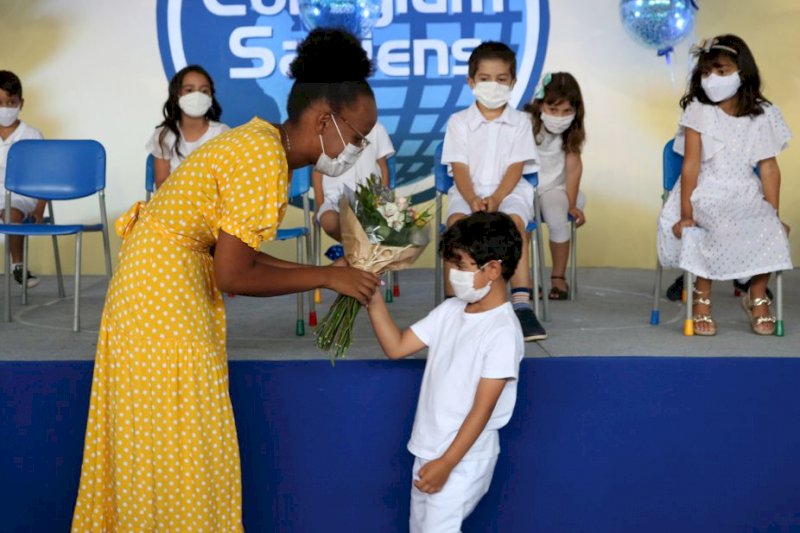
38	215
682	224
477	204
578	216
433	475
491	204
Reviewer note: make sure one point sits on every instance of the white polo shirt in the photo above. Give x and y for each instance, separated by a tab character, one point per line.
23	132
488	148
380	145
186	147
463	348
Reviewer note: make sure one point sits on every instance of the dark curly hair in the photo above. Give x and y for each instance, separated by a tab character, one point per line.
172	111
9	82
331	65
484	237
751	101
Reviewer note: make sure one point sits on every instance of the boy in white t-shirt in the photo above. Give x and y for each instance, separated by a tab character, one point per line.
469	387
12	129
328	191
489	146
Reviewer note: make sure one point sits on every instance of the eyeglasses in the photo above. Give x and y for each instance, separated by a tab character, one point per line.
363	142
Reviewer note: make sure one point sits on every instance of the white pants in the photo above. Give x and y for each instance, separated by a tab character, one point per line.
327	205
444	511
555	209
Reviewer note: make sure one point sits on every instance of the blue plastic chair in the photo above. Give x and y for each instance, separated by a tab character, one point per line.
672	165
56	170
299	186
442	184
149	177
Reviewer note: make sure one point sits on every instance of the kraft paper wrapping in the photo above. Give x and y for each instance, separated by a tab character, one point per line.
364	255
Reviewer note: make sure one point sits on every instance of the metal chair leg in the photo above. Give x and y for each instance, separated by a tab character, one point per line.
534	266
300	327
573	268
57	255
76	321
7	254
25	270
106	243
655	313
437	265
779	304
540	250
688	325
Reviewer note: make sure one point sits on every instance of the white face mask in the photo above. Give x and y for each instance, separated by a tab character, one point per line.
335	167
8	115
492	94
557	125
463	284
195	104
720	88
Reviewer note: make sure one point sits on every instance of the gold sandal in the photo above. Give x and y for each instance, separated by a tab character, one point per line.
700	319
756	321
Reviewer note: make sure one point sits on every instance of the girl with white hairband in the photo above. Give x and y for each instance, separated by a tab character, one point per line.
721	220
557	113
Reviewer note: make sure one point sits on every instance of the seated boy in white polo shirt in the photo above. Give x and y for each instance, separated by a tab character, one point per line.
12	129
469	386
489	146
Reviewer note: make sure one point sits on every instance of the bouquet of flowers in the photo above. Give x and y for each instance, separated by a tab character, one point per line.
379	233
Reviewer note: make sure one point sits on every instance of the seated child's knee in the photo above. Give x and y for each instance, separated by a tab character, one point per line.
329	221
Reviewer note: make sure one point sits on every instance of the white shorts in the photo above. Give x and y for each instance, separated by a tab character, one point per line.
23	203
444	511
519	202
327	205
555	210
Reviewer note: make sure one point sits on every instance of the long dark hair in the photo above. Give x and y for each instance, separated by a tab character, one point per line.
331	65
751	101
172	111
562	87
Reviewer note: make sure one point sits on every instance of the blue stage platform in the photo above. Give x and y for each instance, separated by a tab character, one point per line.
600	445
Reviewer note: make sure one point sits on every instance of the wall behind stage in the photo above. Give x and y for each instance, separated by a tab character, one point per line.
93	69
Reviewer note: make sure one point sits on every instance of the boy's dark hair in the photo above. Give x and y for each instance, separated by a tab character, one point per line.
10	83
172	111
562	87
492	50
751	101
484	237
331	65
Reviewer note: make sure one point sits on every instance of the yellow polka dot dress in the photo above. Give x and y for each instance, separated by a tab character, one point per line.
161	451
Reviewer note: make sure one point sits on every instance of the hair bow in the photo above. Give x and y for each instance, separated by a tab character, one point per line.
706	45
546	79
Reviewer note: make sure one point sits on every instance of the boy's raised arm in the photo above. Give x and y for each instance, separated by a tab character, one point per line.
396	343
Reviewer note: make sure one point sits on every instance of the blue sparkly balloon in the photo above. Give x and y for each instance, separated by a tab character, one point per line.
356	16
659	24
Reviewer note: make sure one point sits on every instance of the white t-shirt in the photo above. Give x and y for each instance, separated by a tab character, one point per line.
462	349
552	158
380	145
488	148
23	131
186	148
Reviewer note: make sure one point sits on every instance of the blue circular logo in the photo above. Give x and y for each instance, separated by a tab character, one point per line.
420	50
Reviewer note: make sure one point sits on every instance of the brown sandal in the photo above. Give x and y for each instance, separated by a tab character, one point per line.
556	293
698	319
757	321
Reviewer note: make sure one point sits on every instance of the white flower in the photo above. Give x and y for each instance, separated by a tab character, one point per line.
402	203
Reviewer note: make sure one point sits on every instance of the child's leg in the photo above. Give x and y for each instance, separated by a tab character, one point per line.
555	211
329	222
452	219
444	511
758	290
16	241
702	291
521	279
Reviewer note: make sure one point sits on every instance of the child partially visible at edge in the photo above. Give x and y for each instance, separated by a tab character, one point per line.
469	386
489	146
12	129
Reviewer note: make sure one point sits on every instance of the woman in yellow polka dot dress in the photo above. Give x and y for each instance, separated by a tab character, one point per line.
161	452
